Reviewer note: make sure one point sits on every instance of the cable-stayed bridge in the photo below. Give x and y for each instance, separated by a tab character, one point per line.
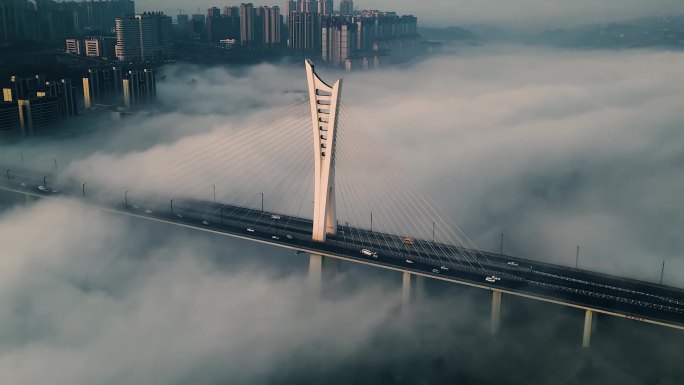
256	183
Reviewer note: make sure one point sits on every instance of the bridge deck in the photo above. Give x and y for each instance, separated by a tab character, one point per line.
574	287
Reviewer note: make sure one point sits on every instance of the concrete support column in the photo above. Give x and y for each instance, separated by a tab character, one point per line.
496	312
406	292
315	273
420	287
586	337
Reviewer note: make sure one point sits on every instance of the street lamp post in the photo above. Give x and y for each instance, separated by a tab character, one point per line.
55	164
577	258
662	272
45	182
501	245
126	199
262	202
214	186
8	175
171	206
371	213
83	187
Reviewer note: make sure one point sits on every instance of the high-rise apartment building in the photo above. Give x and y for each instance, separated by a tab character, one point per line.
144	37
183	23
139	87
198	25
338	36
305	32
156	36
9	119
346	7
271	26
100	46
290	6
222	26
65	92
56	20
325	7
101	15
308	6
247	24
38	113
128	47
102	86
18	20
38	104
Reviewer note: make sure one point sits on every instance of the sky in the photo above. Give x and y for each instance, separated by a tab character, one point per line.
552	147
520	14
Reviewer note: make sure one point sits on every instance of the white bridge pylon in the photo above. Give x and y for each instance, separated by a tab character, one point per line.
325	102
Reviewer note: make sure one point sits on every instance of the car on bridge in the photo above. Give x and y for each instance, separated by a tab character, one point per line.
408	241
369	253
251	230
492	279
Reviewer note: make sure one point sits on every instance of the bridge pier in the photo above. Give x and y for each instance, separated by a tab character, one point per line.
406	292
321	269
412	289
588	325
315	280
495	323
420	287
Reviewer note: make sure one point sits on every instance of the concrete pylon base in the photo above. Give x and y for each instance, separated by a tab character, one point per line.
315	281
420	288
406	292
586	336
495	323
322	271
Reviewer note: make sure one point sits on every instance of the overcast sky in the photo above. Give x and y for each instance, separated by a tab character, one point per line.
504	13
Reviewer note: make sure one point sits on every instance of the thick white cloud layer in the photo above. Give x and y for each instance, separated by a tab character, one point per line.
554	148
85	301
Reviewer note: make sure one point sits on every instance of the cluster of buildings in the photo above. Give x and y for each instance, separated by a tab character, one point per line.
138	38
33	104
247	26
48	20
337	34
144	37
313	28
352	38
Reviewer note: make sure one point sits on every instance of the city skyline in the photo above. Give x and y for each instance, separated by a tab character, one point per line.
523	15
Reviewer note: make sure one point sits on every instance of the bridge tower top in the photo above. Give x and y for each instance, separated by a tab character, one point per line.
325	102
